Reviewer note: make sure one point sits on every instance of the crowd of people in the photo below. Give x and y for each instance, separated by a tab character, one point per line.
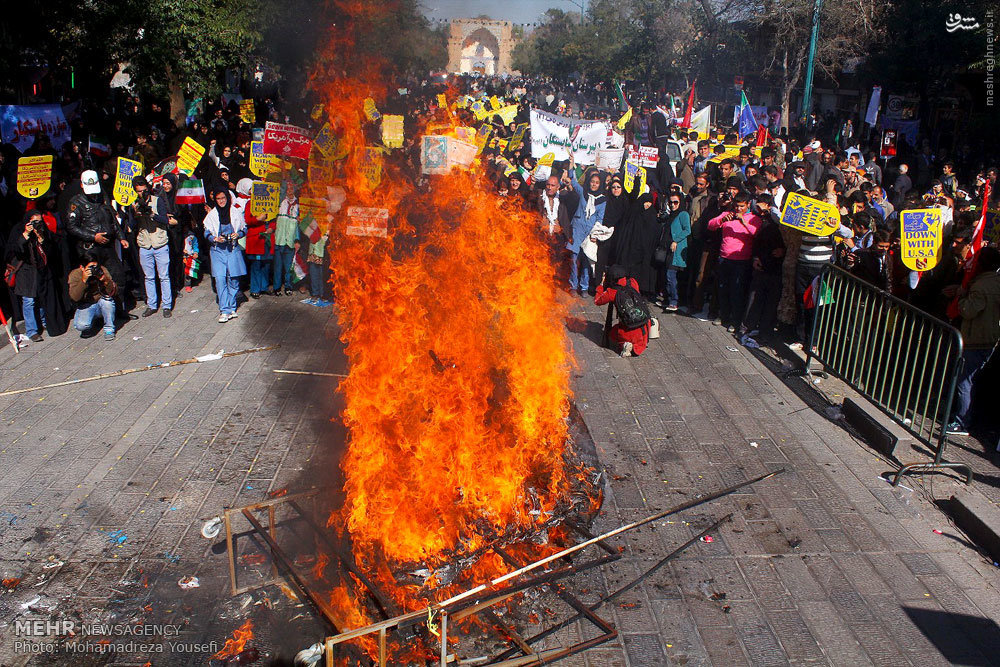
75	255
700	236
704	239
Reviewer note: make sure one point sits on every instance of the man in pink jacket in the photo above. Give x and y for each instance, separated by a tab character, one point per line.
738	228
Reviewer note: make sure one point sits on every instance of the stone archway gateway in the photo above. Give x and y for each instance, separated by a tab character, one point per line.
480	45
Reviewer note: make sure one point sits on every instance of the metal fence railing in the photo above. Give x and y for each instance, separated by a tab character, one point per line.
903	360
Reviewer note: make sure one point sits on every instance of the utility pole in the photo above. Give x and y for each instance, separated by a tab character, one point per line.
810	65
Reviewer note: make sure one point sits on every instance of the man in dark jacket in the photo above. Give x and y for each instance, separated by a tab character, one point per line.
902	186
765	284
872	263
703	246
92	223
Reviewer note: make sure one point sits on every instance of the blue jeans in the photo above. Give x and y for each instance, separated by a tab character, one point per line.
972	361
282	266
260	272
579	280
672	286
227	287
155	264
104	309
28	306
317	280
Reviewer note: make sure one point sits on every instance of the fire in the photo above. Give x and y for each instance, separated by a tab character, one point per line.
454	329
234	646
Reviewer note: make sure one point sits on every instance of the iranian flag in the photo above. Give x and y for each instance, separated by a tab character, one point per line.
191	191
99	146
309	228
969	265
299	268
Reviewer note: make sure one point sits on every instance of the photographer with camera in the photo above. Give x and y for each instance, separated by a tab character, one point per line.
154	249
29	276
93	290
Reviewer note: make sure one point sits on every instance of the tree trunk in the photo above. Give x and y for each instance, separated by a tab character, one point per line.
789	79
178	112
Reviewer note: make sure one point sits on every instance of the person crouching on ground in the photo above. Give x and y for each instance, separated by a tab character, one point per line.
630	335
93	291
224	226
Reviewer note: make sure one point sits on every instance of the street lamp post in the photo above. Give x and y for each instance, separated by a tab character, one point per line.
807	94
583	7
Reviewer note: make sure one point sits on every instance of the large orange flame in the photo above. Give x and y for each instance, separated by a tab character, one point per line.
458	387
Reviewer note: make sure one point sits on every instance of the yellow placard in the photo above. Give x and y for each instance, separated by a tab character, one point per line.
479	109
371	166
495	103
732	152
518	138
392	131
265	198
632	171
442	100
248	114
315	208
920	238
123	192
325	140
259	160
507	113
482	137
809	215
371	113
547	159
34	175
189	155
320	169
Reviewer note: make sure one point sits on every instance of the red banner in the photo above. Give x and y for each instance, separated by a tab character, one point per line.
288	140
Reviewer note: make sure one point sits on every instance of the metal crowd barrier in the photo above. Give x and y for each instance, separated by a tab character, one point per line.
903	360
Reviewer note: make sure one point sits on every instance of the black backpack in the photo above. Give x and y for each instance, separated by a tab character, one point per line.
630	307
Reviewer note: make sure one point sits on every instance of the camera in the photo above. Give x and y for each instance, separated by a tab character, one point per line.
94	272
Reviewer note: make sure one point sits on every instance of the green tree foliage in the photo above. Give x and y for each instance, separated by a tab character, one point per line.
182	47
544	51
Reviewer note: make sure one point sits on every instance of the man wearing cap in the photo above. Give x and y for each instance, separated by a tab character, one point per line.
92	223
154	253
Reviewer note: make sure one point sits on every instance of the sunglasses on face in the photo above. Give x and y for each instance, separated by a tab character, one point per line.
674	202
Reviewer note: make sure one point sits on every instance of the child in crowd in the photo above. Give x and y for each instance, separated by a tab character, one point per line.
192	266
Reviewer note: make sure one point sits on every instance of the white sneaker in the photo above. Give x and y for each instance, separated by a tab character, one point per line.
223	318
626	350
232	315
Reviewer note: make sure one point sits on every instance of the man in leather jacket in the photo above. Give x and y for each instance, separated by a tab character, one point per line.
92	223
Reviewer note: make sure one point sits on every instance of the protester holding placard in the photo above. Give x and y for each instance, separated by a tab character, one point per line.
151	237
259	247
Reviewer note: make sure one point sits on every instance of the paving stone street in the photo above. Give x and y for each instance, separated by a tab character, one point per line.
106	486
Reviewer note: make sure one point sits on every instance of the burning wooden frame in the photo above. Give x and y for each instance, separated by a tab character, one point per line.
476	601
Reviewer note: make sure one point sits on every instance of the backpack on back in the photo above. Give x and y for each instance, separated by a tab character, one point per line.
630	307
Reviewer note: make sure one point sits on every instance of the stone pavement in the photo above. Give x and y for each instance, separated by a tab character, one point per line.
823	564
826	563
